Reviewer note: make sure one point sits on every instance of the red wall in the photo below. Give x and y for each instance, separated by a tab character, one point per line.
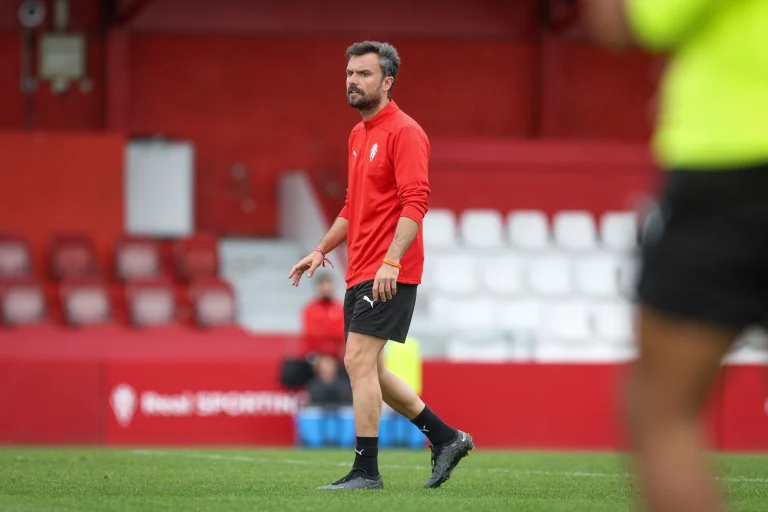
487	19
285	109
565	406
548	175
67	181
74	110
254	83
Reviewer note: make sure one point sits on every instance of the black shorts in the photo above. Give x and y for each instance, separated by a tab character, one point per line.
705	256
389	320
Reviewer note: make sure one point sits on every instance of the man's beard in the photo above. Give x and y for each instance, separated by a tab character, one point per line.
364	102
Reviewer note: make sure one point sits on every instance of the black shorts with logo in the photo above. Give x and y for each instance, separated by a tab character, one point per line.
706	255
389	320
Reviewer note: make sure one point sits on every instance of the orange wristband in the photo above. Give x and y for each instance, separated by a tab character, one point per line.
393	263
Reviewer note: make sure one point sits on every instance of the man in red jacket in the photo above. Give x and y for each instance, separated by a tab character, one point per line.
323	323
387	198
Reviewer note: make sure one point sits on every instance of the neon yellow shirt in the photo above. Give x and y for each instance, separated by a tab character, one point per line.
714	98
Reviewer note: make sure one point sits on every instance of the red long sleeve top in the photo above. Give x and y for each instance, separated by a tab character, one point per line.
388	179
323	326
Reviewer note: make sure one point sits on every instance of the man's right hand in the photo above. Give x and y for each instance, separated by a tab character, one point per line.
308	264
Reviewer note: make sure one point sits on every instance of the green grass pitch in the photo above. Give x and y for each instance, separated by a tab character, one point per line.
74	479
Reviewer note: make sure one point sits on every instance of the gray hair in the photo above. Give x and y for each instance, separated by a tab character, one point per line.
388	57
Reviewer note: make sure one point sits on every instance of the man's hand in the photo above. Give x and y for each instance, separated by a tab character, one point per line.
310	263
385	282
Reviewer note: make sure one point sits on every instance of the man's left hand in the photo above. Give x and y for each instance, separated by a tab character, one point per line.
385	283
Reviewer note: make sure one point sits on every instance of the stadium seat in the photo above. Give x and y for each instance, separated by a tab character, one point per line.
213	303
439	229
151	303
491	350
502	275
72	255
441	311
628	275
22	302
597	275
550	275
524	318
86	302
568	321
614	321
137	258
575	230
15	256
455	274
476	314
482	229
196	257
618	230
528	229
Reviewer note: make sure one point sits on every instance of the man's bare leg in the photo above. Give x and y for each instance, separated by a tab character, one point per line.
360	359
397	394
678	364
449	445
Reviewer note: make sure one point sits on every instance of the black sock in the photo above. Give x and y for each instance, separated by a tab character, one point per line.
367	455
433	427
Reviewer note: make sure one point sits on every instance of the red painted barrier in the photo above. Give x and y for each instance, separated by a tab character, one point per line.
219	403
51	402
125	388
745	408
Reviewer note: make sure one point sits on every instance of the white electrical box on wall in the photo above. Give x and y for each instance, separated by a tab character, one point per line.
62	56
159	188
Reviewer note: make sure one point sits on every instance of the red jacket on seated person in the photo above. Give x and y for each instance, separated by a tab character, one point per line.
323	323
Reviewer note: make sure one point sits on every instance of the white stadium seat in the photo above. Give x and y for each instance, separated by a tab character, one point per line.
618	230
439	228
575	230
550	275
597	275
614	321
441	311
455	273
528	229
568	321
479	313
524	316
502	275
482	229
628	275
476	349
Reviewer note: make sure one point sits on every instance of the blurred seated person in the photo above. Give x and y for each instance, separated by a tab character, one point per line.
321	358
329	387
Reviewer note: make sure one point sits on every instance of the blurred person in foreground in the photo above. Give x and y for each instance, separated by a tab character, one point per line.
704	271
387	199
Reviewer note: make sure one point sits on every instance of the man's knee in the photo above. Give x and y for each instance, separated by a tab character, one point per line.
361	354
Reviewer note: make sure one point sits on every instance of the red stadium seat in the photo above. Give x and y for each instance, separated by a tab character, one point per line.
137	258
213	303
72	255
22	302
196	257
86	301
151	303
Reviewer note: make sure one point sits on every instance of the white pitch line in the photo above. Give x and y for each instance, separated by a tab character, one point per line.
521	472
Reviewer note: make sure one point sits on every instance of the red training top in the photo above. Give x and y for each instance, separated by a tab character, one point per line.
323	328
388	179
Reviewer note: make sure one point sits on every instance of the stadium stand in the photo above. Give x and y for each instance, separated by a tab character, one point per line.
548	286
